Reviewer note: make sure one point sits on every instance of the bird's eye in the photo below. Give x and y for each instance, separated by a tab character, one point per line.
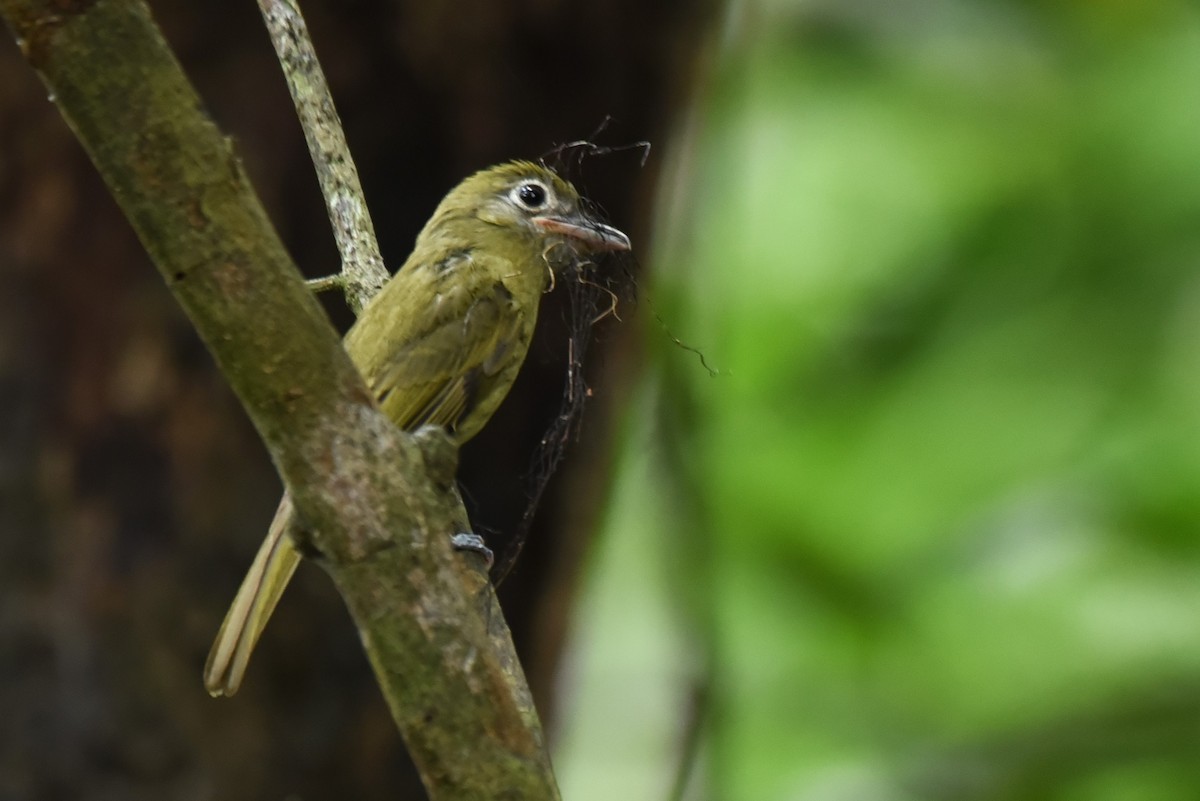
532	195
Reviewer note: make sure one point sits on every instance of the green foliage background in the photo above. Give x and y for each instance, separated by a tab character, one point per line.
934	531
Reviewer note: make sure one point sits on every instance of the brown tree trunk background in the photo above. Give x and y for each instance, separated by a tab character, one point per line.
133	492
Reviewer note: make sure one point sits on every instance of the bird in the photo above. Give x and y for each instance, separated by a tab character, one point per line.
440	344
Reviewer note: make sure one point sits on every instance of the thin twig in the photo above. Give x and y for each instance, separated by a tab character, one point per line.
363	272
692	741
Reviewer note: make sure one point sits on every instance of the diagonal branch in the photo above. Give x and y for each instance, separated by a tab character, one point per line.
380	502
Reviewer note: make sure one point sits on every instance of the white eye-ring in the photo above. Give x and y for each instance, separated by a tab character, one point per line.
532	195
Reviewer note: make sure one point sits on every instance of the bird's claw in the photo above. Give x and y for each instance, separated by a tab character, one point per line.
469	541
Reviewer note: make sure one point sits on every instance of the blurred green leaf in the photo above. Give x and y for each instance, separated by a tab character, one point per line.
946	257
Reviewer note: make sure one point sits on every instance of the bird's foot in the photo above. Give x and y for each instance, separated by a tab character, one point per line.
469	541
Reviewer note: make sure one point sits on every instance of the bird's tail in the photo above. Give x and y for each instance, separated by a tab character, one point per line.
251	609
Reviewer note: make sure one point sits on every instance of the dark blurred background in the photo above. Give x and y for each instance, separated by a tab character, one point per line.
133	492
932	532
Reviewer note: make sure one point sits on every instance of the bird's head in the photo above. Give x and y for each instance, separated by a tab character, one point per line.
529	202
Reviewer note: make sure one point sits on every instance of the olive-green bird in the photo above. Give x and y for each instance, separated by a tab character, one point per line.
440	344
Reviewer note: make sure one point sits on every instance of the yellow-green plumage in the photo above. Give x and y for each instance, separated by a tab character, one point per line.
440	344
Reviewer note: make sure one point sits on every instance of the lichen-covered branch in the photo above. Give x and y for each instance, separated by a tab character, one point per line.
363	272
379	503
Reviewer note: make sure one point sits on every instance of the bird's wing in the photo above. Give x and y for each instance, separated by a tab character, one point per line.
437	377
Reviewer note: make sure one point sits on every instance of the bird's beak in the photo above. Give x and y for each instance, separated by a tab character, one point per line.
596	236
